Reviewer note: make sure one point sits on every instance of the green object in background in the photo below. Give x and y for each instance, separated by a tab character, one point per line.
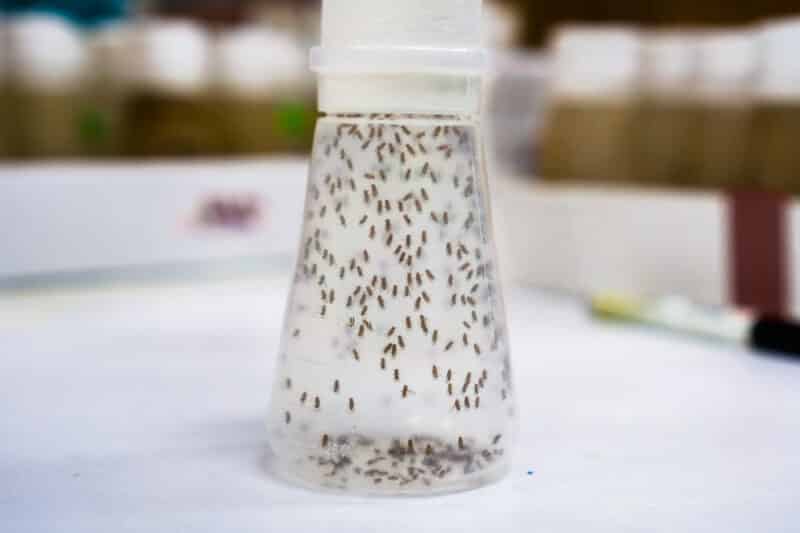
616	307
93	126
294	119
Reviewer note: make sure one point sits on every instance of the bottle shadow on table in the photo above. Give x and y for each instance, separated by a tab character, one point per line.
243	444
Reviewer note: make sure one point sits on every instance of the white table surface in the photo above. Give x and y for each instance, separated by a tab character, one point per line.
140	408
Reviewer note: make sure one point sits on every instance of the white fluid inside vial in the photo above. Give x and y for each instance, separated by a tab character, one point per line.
394	373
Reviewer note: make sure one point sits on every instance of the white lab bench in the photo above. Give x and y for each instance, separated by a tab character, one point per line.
140	407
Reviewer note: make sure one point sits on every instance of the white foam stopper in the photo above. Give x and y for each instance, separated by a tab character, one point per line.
595	62
670	62
427	54
256	60
728	63
171	56
779	43
46	52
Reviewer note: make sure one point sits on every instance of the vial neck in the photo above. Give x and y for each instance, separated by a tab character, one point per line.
402	118
409	94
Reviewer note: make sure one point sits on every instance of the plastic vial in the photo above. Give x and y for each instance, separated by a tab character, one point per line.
588	133
265	91
6	132
394	374
102	121
45	89
776	123
665	124
723	109
170	110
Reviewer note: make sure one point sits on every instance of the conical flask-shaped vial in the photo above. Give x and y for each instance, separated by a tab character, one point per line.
393	374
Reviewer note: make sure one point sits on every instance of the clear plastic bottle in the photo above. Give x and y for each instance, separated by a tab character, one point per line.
394	374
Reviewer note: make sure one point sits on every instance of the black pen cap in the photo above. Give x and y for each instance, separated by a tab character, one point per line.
776	335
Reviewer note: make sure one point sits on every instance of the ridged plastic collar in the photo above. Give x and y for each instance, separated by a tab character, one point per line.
399	60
